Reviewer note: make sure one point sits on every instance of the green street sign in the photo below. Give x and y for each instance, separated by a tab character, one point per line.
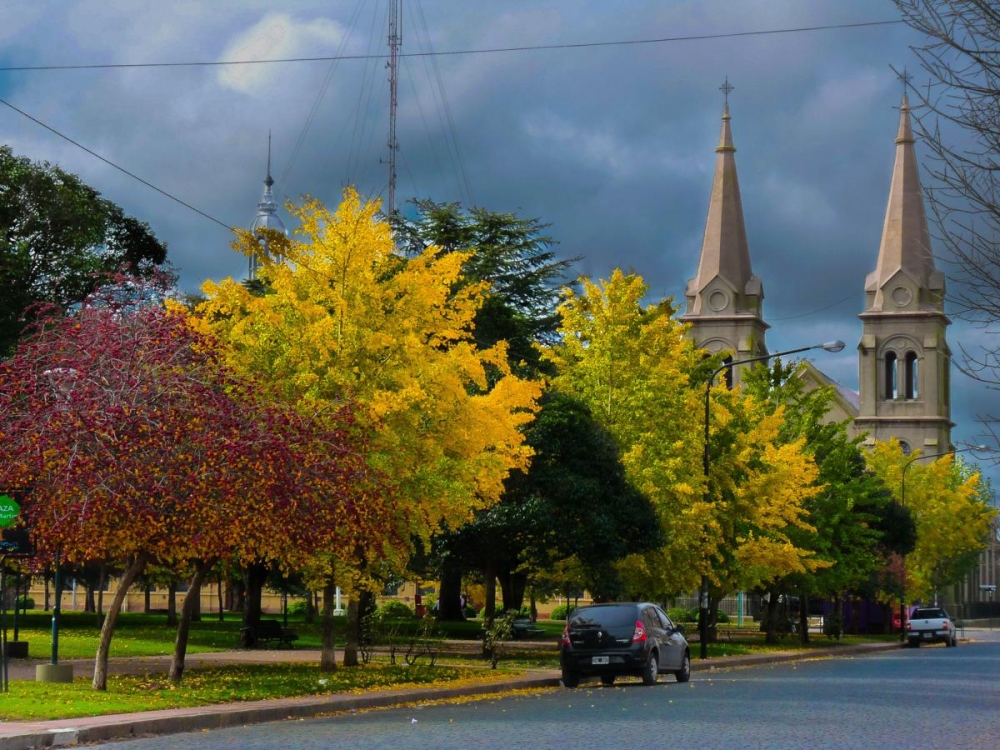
10	509
14	542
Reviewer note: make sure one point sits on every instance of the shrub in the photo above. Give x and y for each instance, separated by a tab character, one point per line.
560	612
394	609
682	614
302	608
25	602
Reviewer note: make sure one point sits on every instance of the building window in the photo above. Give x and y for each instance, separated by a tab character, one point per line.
891	382
910	375
905	447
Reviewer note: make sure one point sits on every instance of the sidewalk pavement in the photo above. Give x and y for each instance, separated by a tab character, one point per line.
28	735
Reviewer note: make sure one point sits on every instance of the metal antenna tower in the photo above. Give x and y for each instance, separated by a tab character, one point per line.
395	41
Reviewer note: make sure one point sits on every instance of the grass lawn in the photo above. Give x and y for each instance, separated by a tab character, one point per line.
29	700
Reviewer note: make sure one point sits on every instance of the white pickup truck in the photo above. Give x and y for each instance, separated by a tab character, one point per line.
931	625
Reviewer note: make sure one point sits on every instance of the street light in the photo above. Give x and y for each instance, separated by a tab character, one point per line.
902	503
830	346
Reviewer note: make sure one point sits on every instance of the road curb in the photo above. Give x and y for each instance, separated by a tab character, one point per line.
67	732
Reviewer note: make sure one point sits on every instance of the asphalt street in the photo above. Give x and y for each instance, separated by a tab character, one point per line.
928	697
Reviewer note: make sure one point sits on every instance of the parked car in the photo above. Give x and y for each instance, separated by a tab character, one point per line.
931	625
627	638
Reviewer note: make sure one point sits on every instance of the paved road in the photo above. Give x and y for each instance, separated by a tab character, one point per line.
862	702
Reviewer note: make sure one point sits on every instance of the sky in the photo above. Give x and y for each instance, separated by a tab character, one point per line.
611	144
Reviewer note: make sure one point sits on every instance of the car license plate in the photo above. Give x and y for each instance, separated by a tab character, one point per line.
928	635
599	660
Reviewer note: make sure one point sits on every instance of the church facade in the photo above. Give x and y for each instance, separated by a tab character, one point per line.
903	357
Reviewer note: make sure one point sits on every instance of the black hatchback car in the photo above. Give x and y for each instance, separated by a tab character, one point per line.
628	638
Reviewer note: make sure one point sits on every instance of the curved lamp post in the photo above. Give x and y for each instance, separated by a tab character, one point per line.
902	503
830	346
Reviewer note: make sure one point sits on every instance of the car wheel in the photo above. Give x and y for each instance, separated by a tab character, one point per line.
914	643
684	673
607	680
652	671
570	679
953	642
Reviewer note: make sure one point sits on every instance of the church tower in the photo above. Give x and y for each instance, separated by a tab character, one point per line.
725	300
905	361
267	214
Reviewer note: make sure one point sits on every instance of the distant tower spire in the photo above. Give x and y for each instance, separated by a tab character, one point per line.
725	299
267	214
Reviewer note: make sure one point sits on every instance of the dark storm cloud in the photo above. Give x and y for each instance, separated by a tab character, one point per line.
614	146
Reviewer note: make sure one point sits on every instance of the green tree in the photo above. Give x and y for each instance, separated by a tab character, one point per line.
513	255
58	239
855	524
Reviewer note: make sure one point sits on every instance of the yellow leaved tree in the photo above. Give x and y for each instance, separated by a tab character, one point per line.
632	365
644	380
952	518
341	318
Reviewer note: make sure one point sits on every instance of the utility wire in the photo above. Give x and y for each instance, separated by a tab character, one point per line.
112	164
451	53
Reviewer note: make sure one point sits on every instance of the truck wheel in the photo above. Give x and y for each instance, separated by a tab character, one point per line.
607	680
570	679
914	643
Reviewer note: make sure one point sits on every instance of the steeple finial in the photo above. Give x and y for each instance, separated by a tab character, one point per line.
726	137
268	180
726	88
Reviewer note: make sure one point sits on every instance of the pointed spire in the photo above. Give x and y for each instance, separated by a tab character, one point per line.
906	240
267	211
725	252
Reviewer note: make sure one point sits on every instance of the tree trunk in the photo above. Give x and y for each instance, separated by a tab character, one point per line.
222	613
101	579
191	599
89	602
353	631
490	581
328	656
450	594
172	604
107	630
147	598
512	586
253	578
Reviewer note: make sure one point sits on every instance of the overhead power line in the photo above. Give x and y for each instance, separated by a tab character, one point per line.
112	164
450	53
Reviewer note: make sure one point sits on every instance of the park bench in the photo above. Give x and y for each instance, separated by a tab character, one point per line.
524	628
268	633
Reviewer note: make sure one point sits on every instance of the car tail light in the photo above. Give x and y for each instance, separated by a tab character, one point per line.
945	625
565	637
639	634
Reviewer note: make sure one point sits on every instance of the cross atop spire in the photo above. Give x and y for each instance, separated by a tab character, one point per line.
905	78
726	88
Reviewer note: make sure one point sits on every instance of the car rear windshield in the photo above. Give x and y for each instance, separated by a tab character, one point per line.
608	617
927	614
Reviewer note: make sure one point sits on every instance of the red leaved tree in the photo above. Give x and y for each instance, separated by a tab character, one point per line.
138	445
